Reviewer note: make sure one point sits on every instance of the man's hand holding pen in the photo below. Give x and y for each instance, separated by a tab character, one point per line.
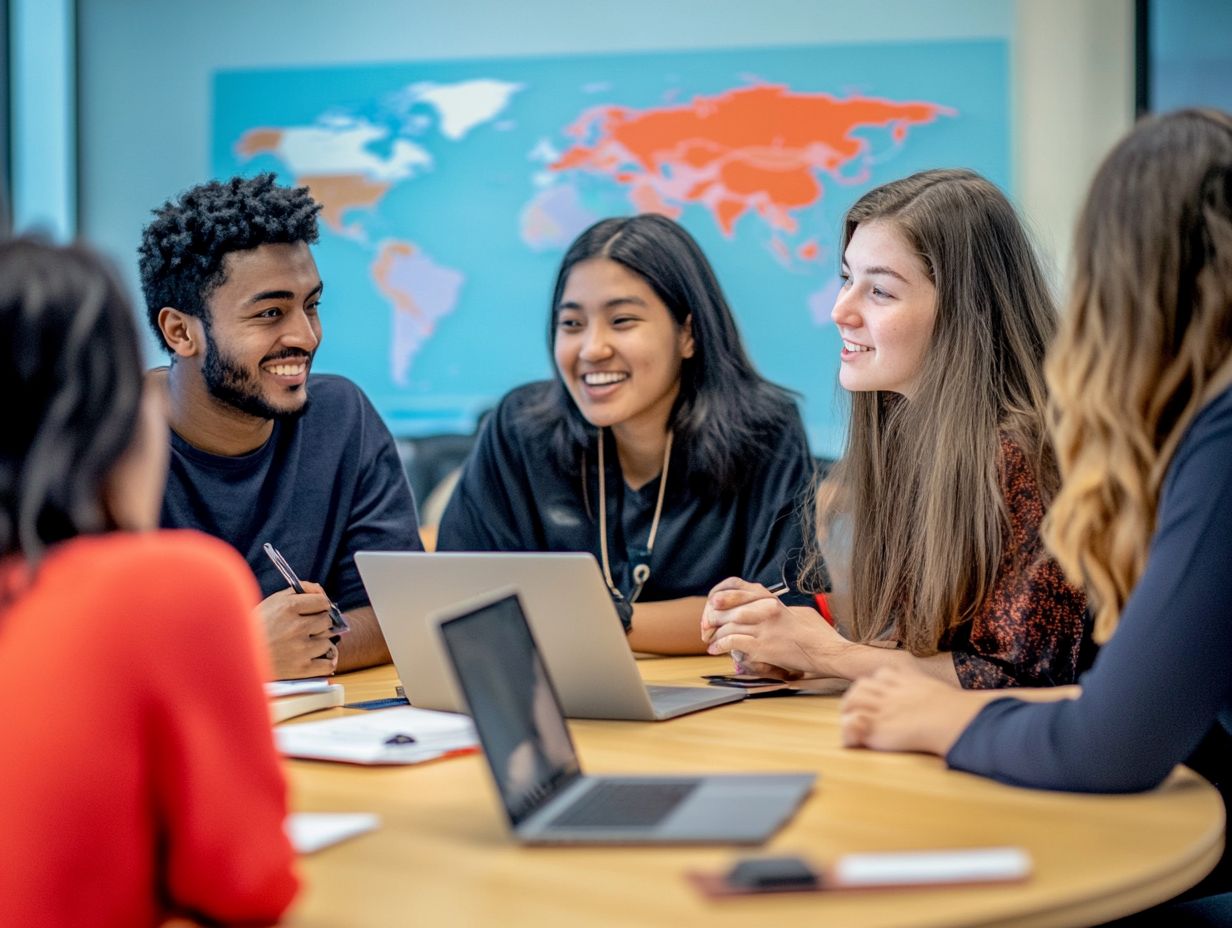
299	646
297	628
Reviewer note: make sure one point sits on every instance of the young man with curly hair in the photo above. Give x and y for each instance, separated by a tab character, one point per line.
261	449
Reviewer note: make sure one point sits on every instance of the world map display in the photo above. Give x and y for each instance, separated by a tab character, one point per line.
451	190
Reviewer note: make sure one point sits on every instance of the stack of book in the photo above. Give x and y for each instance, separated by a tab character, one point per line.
290	698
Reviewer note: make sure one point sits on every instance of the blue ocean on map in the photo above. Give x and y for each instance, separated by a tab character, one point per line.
450	191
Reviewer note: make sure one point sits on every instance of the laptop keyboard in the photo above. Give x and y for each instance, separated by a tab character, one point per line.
613	804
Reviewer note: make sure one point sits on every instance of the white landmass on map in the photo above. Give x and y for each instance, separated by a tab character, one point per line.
333	159
338	145
544	152
461	106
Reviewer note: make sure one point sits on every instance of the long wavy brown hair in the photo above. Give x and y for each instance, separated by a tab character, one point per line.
916	498
1146	338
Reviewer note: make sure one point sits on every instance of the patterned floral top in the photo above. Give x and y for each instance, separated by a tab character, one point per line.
1032	630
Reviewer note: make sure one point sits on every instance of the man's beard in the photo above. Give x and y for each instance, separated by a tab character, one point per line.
231	384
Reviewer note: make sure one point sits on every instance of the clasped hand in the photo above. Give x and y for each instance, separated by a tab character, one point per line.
297	629
775	639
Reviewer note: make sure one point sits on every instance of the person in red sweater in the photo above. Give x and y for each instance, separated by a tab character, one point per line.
138	780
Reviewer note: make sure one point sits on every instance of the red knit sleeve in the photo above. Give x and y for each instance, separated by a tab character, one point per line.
1029	631
220	795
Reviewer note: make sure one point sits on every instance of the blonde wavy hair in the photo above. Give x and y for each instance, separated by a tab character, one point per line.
913	516
1145	340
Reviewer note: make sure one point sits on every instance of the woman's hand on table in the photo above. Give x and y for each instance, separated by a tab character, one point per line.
898	708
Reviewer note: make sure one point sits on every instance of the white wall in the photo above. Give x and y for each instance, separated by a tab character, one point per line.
1074	97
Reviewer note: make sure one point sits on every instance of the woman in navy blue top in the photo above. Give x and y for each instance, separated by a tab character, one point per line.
1141	378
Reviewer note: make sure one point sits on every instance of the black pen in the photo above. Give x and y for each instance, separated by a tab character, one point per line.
337	623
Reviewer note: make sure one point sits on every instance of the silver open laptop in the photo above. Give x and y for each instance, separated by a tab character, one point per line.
546	796
568	606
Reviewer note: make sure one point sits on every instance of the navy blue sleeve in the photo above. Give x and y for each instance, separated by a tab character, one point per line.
492	507
382	516
774	531
1165	676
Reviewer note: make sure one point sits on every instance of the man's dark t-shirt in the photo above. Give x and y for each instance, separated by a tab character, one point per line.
323	486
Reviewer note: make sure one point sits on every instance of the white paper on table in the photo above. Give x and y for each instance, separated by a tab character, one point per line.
364	739
311	831
913	868
277	688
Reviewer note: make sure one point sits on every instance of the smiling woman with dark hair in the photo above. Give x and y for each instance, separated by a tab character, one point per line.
159	795
657	447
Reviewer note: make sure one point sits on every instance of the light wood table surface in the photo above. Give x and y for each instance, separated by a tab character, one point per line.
443	857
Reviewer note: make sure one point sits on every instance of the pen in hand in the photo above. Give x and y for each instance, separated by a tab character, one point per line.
338	624
777	591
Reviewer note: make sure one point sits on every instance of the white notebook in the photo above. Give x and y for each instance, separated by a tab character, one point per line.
403	735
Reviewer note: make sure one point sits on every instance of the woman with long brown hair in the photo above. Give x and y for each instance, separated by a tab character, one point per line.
1141	379
930	520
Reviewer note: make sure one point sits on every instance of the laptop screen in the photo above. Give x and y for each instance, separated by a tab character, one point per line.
513	704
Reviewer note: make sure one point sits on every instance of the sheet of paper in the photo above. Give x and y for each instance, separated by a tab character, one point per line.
311	831
278	688
911	868
403	735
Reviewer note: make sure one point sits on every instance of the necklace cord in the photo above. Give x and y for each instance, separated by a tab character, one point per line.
643	574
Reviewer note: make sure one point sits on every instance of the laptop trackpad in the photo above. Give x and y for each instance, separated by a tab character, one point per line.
721	808
738	808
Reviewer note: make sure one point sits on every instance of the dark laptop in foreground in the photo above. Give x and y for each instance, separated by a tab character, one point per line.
569	609
547	798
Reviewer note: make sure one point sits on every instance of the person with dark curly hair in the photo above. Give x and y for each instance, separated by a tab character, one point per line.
262	451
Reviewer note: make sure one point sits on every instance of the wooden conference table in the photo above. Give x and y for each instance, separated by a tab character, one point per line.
442	855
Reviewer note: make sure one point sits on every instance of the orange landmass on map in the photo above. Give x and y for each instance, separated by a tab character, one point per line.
256	141
646	199
758	147
726	212
338	193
